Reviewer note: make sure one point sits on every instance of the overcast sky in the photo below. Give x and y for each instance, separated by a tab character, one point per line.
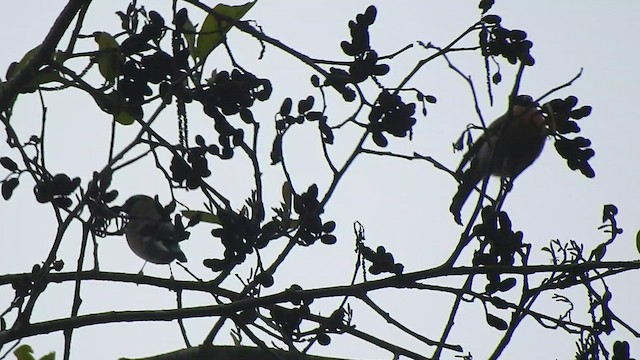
402	205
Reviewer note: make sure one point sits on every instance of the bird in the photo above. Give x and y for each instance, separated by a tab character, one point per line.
509	145
149	231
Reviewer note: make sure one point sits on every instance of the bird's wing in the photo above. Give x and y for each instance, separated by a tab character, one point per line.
487	139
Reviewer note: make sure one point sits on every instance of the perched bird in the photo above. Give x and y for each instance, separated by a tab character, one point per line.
508	146
149	231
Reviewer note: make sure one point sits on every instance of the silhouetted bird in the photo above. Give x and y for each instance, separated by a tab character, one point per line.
150	233
509	145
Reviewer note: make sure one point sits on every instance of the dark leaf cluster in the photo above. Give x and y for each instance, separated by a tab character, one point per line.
289	320
195	167
390	115
305	113
365	59
338	79
56	190
133	87
311	227
360	33
485	5
366	65
24	285
233	92
10	183
99	196
576	151
158	67
621	351
381	260
510	44
129	19
98	189
238	235
425	99
152	31
499	246
333	324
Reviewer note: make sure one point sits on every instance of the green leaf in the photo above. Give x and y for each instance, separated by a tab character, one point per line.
109	57
294	223
214	29
204	216
124	118
45	76
286	196
24	352
49	356
17	67
39	77
189	32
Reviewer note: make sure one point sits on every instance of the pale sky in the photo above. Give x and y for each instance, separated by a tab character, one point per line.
402	205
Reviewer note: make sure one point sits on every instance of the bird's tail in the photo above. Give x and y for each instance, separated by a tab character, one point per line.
177	252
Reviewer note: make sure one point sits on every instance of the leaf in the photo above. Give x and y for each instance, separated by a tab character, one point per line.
285	108
499	303
109	57
247	116
621	350
213	29
294	223
8	164
329	226
13	70
8	186
305	105
328	239
276	150
45	76
286	196
496	322
124	118
638	241
49	356
24	352
323	339
204	216
189	32
507	284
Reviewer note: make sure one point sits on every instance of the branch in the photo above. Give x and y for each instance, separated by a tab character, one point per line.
398	282
10	88
232	353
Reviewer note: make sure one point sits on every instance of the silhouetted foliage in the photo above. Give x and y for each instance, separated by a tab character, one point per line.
157	61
